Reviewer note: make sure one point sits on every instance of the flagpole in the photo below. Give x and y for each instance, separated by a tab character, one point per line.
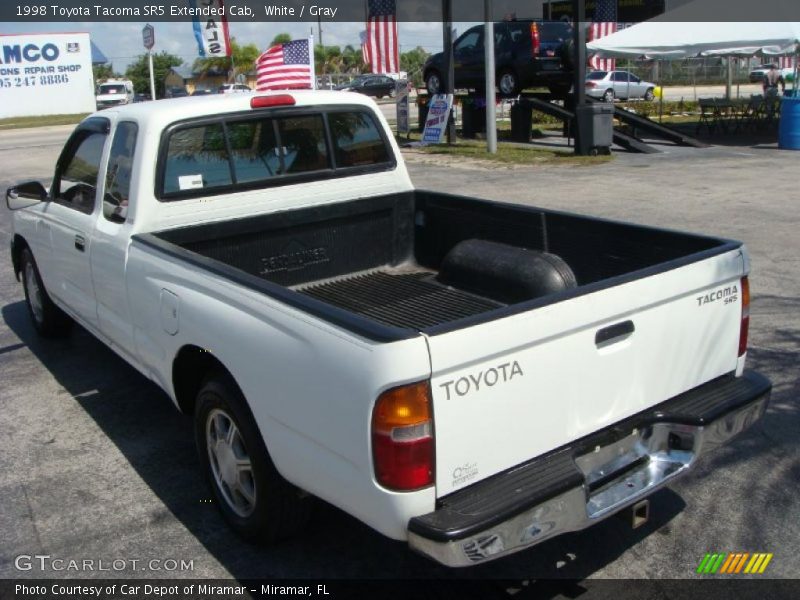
313	64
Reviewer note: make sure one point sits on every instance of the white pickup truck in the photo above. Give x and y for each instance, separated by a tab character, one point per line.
470	376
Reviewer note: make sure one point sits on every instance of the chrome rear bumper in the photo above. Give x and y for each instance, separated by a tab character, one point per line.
601	474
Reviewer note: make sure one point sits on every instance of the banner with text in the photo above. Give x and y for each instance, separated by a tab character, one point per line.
438	114
46	74
210	29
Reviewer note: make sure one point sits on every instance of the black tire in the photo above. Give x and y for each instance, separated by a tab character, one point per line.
608	96
433	82
48	319
508	83
649	95
278	509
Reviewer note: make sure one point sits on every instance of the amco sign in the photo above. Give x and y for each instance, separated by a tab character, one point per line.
45	74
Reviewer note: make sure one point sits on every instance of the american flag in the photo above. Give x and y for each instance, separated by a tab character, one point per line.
380	47
286	66
605	23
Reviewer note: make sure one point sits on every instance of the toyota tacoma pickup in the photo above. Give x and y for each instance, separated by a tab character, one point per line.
470	376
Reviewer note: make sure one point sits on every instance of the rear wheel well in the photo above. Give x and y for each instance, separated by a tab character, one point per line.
191	367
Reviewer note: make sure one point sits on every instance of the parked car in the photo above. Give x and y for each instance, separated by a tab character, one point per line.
141	97
175	92
757	75
202	92
608	85
114	92
527	54
233	88
371	85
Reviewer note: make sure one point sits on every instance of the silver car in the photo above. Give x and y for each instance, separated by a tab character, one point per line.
608	85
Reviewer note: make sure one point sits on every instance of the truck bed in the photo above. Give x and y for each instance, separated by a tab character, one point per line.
373	265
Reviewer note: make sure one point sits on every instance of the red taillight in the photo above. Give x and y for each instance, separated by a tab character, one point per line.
270	101
402	437
745	325
535	41
591	84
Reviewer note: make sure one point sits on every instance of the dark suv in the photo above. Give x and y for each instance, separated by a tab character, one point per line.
527	53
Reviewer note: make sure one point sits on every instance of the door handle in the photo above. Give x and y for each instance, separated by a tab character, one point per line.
614	333
80	243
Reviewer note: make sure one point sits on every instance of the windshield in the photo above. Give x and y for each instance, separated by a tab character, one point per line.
597	75
111	89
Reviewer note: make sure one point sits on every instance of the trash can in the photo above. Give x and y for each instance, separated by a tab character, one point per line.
521	121
789	126
422	112
473	117
596	126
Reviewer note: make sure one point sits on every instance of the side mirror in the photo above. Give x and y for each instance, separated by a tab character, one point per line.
25	194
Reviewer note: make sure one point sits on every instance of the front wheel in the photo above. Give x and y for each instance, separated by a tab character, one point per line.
254	499
48	319
649	95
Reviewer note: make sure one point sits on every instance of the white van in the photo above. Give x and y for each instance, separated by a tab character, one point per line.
114	92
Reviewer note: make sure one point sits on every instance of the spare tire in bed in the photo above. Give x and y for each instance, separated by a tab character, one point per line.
505	273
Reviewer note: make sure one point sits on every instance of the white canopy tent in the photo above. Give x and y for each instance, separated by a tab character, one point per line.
708	28
661	38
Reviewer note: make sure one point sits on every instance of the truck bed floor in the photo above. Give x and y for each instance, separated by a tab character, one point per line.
402	299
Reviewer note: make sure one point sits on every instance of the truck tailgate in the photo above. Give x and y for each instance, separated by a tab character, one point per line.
512	389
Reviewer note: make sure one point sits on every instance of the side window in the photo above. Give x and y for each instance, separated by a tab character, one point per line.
303	140
356	140
469	43
196	159
77	183
118	174
501	40
620	76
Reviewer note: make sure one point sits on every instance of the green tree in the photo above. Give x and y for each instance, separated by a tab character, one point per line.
244	59
281	38
352	60
103	72
327	59
412	62
139	73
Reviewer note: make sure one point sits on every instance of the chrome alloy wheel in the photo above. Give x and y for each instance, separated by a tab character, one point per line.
507	83
34	292
230	463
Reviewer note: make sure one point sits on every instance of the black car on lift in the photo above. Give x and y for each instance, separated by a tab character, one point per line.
527	54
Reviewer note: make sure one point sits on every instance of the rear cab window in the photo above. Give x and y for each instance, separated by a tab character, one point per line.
269	148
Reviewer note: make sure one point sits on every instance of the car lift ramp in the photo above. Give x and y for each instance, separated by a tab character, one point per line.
620	139
656	129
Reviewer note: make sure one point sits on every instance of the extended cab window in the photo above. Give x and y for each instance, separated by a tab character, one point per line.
197	159
77	183
303	141
118	174
356	140
261	151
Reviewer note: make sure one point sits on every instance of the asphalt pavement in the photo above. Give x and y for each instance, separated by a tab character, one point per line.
97	464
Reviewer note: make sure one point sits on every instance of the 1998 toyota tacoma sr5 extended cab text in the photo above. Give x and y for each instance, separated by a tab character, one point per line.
470	376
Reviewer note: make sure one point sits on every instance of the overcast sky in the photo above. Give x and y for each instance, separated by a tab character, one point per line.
122	42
